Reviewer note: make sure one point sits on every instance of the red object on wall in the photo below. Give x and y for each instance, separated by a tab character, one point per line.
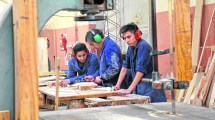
63	43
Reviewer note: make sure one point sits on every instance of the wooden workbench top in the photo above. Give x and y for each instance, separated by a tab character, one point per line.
72	93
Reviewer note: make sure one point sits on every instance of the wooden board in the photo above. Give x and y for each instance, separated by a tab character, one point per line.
183	40
42	74
42	54
117	100
197	32
71	93
5	115
25	55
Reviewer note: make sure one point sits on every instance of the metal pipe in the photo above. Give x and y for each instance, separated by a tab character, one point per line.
154	34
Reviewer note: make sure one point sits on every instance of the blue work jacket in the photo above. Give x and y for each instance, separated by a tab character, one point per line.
139	59
90	68
110	62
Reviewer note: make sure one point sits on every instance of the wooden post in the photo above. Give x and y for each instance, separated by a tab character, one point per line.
25	52
5	115
57	82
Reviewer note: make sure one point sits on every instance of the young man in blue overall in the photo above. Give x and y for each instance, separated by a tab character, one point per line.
83	63
110	58
139	61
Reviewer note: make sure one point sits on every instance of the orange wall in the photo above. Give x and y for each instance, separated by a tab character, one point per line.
163	36
54	37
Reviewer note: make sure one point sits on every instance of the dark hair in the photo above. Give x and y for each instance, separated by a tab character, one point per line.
89	36
129	27
79	47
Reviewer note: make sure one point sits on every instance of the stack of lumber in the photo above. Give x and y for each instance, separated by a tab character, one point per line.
201	91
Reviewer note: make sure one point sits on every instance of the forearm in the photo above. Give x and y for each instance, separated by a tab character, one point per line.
122	75
136	80
110	74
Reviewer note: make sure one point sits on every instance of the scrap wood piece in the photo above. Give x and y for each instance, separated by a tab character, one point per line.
87	87
196	102
102	89
193	84
211	92
209	61
5	115
211	99
74	104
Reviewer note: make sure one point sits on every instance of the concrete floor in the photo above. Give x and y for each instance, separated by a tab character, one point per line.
153	111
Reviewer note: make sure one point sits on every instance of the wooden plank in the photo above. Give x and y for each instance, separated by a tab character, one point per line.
180	95
87	87
196	79
42	74
26	62
42	54
208	63
5	115
211	99
118	100
183	40
197	32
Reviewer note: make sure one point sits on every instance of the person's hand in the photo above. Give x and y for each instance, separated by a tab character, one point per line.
117	87
64	83
98	80
89	79
124	91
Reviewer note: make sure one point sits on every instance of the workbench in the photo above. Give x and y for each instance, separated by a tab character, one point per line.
94	97
151	111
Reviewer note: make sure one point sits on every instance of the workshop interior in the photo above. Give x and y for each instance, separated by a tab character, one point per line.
38	40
